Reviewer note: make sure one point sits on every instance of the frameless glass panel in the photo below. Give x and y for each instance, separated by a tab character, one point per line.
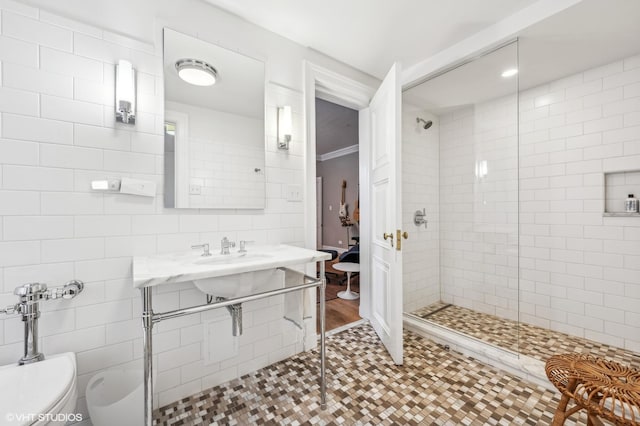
463	273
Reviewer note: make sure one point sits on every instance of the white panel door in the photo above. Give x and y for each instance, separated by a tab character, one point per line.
386	214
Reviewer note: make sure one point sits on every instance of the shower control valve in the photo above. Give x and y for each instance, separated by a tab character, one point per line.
419	218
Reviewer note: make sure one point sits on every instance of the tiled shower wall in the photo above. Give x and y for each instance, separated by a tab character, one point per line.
58	133
479	221
579	271
420	179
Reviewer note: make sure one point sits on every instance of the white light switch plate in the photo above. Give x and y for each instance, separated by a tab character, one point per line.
294	192
195	189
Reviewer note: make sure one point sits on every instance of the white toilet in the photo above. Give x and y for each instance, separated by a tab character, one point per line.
41	393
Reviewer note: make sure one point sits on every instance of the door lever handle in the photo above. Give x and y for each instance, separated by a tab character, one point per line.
389	235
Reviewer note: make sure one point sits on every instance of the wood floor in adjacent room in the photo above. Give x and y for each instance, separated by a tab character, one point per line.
339	312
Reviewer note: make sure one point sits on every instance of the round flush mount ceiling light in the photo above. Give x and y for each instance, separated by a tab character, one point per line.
198	73
510	72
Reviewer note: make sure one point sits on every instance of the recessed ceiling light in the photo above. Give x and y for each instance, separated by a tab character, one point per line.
198	73
510	72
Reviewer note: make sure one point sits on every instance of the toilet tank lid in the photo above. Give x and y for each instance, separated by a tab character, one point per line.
36	388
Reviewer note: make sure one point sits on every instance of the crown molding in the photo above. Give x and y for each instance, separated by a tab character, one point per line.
338	153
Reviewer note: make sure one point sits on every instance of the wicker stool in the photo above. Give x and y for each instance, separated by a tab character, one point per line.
605	389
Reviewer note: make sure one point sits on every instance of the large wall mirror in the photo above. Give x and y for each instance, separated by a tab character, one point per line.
214	126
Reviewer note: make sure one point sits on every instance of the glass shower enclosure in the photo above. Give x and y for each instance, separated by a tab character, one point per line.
460	158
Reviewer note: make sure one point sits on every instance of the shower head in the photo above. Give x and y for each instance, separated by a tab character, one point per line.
426	125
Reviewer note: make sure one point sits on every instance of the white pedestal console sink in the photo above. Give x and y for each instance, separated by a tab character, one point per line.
182	267
237	277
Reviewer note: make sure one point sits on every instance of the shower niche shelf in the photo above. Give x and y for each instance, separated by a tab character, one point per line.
617	186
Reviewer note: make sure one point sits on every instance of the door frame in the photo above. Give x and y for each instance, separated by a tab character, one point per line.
182	160
319	202
328	85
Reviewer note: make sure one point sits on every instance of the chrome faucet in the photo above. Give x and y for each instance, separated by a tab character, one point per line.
204	247
225	244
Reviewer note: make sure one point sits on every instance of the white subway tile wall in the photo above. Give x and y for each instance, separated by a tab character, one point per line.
225	163
479	205
57	133
579	270
420	190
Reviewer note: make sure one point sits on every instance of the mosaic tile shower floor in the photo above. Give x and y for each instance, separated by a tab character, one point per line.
433	387
536	342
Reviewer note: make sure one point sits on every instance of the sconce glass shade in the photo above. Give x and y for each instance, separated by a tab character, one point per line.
125	92
198	73
284	127
481	169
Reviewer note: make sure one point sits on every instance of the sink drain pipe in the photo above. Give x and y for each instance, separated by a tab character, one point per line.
236	316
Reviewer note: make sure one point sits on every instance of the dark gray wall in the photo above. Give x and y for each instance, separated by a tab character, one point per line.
333	172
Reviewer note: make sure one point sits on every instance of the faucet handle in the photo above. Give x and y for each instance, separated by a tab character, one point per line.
243	245
205	248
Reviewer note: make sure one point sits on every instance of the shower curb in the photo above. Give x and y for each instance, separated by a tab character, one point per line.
522	366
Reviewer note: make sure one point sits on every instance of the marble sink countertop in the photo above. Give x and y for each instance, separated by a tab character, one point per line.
174	268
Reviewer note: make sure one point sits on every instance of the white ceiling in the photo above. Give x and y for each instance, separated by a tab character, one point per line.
240	86
336	127
371	34
469	84
587	35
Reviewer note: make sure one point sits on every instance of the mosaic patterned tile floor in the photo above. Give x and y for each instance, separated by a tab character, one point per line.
433	387
536	342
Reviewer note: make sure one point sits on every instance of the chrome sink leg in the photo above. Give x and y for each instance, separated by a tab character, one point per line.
147	324
323	379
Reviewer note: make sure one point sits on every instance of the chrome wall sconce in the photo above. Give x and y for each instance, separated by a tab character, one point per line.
284	127
125	93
